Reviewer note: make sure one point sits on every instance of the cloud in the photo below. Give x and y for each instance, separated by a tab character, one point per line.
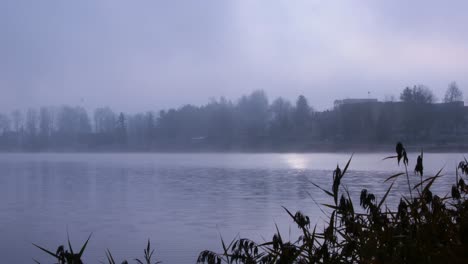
142	55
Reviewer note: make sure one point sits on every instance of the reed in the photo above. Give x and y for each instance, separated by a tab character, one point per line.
67	256
425	228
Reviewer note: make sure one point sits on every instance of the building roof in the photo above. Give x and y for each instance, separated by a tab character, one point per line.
354	101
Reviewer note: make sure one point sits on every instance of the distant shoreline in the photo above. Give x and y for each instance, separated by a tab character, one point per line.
312	148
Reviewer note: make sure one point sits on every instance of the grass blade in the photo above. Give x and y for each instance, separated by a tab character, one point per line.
69	244
390	157
394	176
84	246
110	259
385	196
347	165
45	250
327	192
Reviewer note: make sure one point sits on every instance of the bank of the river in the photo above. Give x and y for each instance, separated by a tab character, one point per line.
292	148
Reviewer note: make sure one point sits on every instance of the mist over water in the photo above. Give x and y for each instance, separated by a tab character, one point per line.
182	202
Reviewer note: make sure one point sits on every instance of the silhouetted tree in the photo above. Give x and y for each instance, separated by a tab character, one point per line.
31	128
418	94
220	123
453	93
104	120
251	123
149	128
7	138
17	119
5	124
407	95
45	126
418	110
302	111
302	117
121	129
31	122
281	122
253	114
73	127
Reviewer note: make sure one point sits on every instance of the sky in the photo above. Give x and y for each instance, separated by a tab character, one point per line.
149	55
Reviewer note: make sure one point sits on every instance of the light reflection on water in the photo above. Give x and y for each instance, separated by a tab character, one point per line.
182	202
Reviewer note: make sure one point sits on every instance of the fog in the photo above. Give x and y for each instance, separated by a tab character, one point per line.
153	55
183	122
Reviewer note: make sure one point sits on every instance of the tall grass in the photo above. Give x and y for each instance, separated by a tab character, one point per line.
424	228
67	256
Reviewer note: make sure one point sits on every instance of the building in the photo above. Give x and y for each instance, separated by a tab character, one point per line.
338	103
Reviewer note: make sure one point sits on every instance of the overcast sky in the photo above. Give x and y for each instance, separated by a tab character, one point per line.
142	55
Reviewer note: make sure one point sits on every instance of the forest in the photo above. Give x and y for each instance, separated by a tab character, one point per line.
251	123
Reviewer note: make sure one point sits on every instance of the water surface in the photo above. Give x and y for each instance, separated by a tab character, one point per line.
182	202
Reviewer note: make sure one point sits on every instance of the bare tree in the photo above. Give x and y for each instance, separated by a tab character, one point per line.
453	93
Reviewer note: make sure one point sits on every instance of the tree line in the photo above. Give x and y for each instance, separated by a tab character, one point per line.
250	123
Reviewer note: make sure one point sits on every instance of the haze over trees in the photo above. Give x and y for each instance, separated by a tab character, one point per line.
453	93
253	122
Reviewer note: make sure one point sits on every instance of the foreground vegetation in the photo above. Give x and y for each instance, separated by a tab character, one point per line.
424	228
